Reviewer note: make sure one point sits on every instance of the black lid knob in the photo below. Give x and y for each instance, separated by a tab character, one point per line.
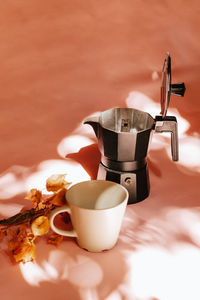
178	89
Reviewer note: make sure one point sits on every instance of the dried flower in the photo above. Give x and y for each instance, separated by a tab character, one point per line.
23	251
36	197
34	222
55	239
56	182
58	198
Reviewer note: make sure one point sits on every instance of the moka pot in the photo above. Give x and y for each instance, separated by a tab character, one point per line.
123	136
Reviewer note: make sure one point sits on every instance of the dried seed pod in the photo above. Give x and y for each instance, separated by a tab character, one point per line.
40	226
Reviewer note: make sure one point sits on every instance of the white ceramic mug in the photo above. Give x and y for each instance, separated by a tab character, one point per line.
96	208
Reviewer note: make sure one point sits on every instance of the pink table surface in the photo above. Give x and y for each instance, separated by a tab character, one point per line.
61	61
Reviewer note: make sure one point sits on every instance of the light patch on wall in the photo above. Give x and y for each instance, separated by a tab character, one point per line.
74	173
10	185
72	144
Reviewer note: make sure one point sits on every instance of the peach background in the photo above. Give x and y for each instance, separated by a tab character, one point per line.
61	61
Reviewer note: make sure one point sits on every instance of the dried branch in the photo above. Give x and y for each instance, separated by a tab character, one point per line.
27	216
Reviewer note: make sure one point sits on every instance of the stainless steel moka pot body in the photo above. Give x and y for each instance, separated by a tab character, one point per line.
123	136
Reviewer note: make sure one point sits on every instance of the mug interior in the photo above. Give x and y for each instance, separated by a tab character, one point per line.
96	194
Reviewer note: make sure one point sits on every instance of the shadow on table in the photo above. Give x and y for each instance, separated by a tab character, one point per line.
89	158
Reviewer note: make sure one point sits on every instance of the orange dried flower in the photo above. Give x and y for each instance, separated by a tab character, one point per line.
34	222
56	182
23	251
36	197
21	232
58	198
55	239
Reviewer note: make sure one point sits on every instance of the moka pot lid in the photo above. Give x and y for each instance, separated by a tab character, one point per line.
167	88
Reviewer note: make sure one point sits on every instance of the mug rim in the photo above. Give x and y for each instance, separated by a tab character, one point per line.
97	180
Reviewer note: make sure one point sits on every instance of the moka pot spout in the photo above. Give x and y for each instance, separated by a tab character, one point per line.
94	122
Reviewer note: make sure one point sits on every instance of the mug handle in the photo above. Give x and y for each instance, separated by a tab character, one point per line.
54	213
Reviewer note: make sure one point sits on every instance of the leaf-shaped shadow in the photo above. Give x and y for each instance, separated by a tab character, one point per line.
89	158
